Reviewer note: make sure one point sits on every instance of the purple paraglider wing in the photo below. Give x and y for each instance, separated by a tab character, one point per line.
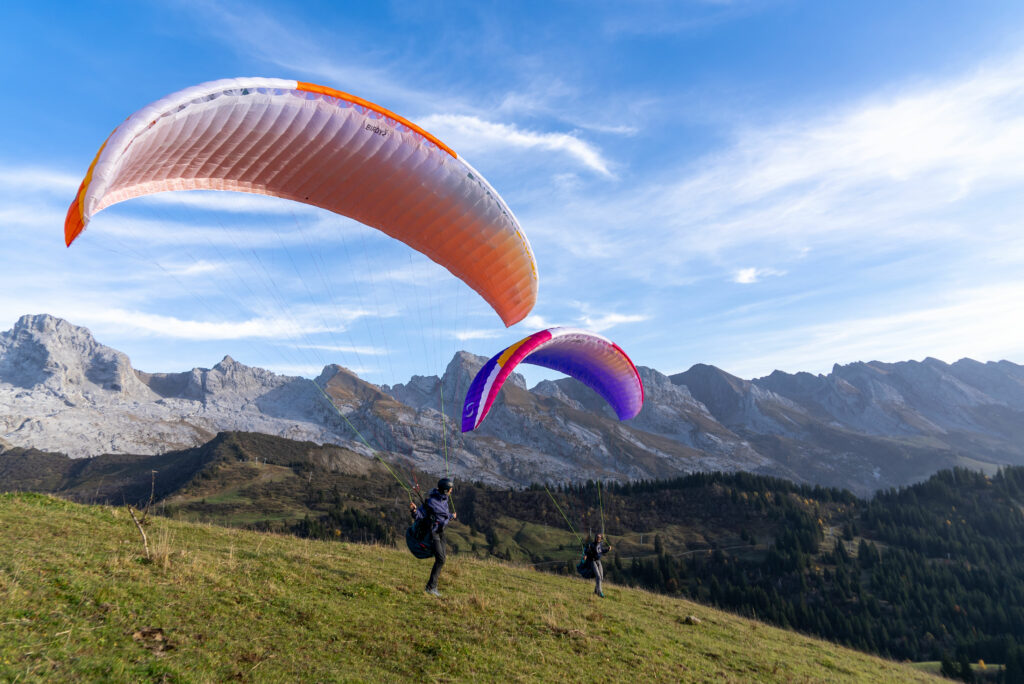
592	359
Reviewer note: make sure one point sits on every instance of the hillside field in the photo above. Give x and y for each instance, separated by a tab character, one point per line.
79	601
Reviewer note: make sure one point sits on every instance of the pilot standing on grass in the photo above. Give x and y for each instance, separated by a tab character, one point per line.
438	514
592	557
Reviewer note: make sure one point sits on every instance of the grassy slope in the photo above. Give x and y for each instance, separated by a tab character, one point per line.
76	601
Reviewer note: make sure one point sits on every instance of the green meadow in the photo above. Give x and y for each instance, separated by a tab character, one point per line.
80	601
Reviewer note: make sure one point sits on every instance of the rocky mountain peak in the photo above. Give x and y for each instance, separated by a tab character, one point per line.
228	364
560	390
463	360
53	334
424	391
231	377
329	371
43	323
348	389
65	359
1001	379
725	395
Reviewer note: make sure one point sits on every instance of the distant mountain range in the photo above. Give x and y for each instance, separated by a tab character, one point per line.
863	426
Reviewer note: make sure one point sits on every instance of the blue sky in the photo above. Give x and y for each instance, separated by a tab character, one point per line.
754	185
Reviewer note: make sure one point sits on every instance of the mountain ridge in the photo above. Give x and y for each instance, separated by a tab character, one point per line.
864	426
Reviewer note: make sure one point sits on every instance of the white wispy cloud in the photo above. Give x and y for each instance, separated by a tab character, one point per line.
110	311
32	214
344	349
201	267
546	96
869	167
610	320
172	327
750	275
883	173
586	319
535	322
483	334
476	135
981	323
615	129
38	179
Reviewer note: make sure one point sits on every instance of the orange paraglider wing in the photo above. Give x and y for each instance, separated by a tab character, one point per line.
326	148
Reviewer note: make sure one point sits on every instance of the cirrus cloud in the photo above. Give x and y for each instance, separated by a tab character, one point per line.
476	134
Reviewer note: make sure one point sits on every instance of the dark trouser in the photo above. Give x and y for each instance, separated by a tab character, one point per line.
439	558
598	576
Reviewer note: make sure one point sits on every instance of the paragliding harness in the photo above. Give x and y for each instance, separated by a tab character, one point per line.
417	535
585	567
417	538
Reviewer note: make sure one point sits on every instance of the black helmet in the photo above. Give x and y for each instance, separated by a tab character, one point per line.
444	484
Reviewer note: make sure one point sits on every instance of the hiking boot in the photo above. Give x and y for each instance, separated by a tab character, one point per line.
433	592
600	593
